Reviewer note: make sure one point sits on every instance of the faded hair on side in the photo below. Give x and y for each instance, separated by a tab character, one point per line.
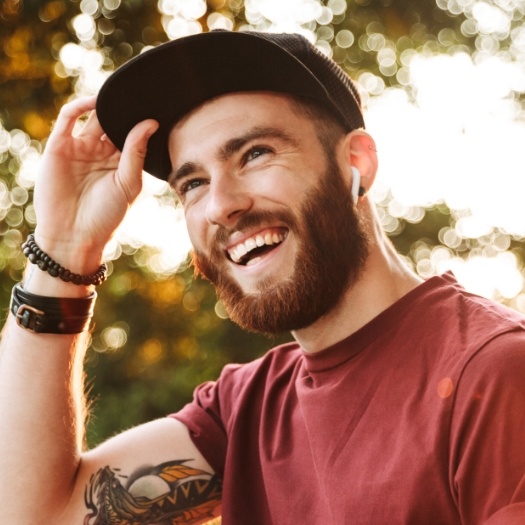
328	128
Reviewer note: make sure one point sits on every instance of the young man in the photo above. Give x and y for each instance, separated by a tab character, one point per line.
401	401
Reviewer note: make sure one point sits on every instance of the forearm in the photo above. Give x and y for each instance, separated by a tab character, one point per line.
41	410
82	193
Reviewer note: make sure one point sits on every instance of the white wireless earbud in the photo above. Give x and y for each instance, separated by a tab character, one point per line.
356	180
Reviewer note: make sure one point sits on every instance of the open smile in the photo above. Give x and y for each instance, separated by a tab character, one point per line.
251	249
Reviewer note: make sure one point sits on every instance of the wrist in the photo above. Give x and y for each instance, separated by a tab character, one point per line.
75	254
47	275
39	282
51	315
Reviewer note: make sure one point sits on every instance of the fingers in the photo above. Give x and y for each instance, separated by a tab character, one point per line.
129	173
70	113
92	126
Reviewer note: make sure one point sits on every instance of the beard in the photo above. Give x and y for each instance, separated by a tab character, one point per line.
332	251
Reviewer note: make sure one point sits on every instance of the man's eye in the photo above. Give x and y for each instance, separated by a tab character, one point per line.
189	185
255	153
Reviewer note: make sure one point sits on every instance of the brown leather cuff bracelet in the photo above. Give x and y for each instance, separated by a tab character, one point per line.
51	315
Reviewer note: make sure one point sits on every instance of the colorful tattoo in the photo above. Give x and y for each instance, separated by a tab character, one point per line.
171	493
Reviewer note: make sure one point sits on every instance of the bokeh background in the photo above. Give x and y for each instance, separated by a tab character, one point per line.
443	85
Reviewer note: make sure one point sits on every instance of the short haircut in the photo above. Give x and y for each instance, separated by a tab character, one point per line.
328	128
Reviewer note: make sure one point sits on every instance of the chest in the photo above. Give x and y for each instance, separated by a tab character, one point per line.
362	445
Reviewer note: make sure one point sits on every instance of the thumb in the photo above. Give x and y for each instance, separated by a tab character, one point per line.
129	172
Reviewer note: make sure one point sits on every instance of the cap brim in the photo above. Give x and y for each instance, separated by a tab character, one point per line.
168	81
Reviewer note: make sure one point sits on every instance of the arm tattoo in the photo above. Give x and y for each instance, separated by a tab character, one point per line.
171	493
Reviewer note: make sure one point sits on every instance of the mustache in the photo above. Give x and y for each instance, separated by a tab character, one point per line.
208	265
253	219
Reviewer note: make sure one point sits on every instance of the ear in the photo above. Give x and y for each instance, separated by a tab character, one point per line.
358	152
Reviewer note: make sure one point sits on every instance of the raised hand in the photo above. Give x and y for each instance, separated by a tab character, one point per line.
85	185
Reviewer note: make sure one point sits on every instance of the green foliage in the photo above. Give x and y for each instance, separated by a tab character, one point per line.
174	342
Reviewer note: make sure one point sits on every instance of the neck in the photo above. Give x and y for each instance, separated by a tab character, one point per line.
384	280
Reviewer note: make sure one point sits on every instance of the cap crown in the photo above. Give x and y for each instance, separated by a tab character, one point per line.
167	82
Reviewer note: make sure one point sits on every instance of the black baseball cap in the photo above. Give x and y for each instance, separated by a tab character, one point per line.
168	81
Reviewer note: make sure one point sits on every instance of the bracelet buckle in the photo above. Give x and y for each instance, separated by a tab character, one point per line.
29	317
51	315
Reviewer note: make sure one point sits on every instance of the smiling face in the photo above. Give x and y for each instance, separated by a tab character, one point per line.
270	218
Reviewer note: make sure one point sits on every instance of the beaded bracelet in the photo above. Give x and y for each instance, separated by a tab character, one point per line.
46	264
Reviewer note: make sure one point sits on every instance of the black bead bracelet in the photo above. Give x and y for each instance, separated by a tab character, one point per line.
46	264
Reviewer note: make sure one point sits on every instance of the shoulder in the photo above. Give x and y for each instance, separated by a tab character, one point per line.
491	339
249	380
239	388
500	360
491	387
279	362
444	291
460	319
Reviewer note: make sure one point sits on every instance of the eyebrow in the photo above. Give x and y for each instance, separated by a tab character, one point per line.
184	171
231	147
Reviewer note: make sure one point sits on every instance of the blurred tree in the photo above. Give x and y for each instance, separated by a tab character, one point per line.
158	336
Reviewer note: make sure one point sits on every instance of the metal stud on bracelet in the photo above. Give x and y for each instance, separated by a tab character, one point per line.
51	315
46	264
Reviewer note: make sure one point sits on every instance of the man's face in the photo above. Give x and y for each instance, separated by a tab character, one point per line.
270	219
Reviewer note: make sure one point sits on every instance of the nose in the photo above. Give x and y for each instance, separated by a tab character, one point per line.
227	199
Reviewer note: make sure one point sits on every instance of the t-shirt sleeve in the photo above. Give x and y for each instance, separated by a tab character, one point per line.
207	415
203	418
488	435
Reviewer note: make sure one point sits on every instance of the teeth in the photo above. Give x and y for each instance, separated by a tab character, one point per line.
238	252
241	250
250	244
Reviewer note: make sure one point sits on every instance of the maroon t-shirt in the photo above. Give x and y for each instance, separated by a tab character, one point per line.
417	418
